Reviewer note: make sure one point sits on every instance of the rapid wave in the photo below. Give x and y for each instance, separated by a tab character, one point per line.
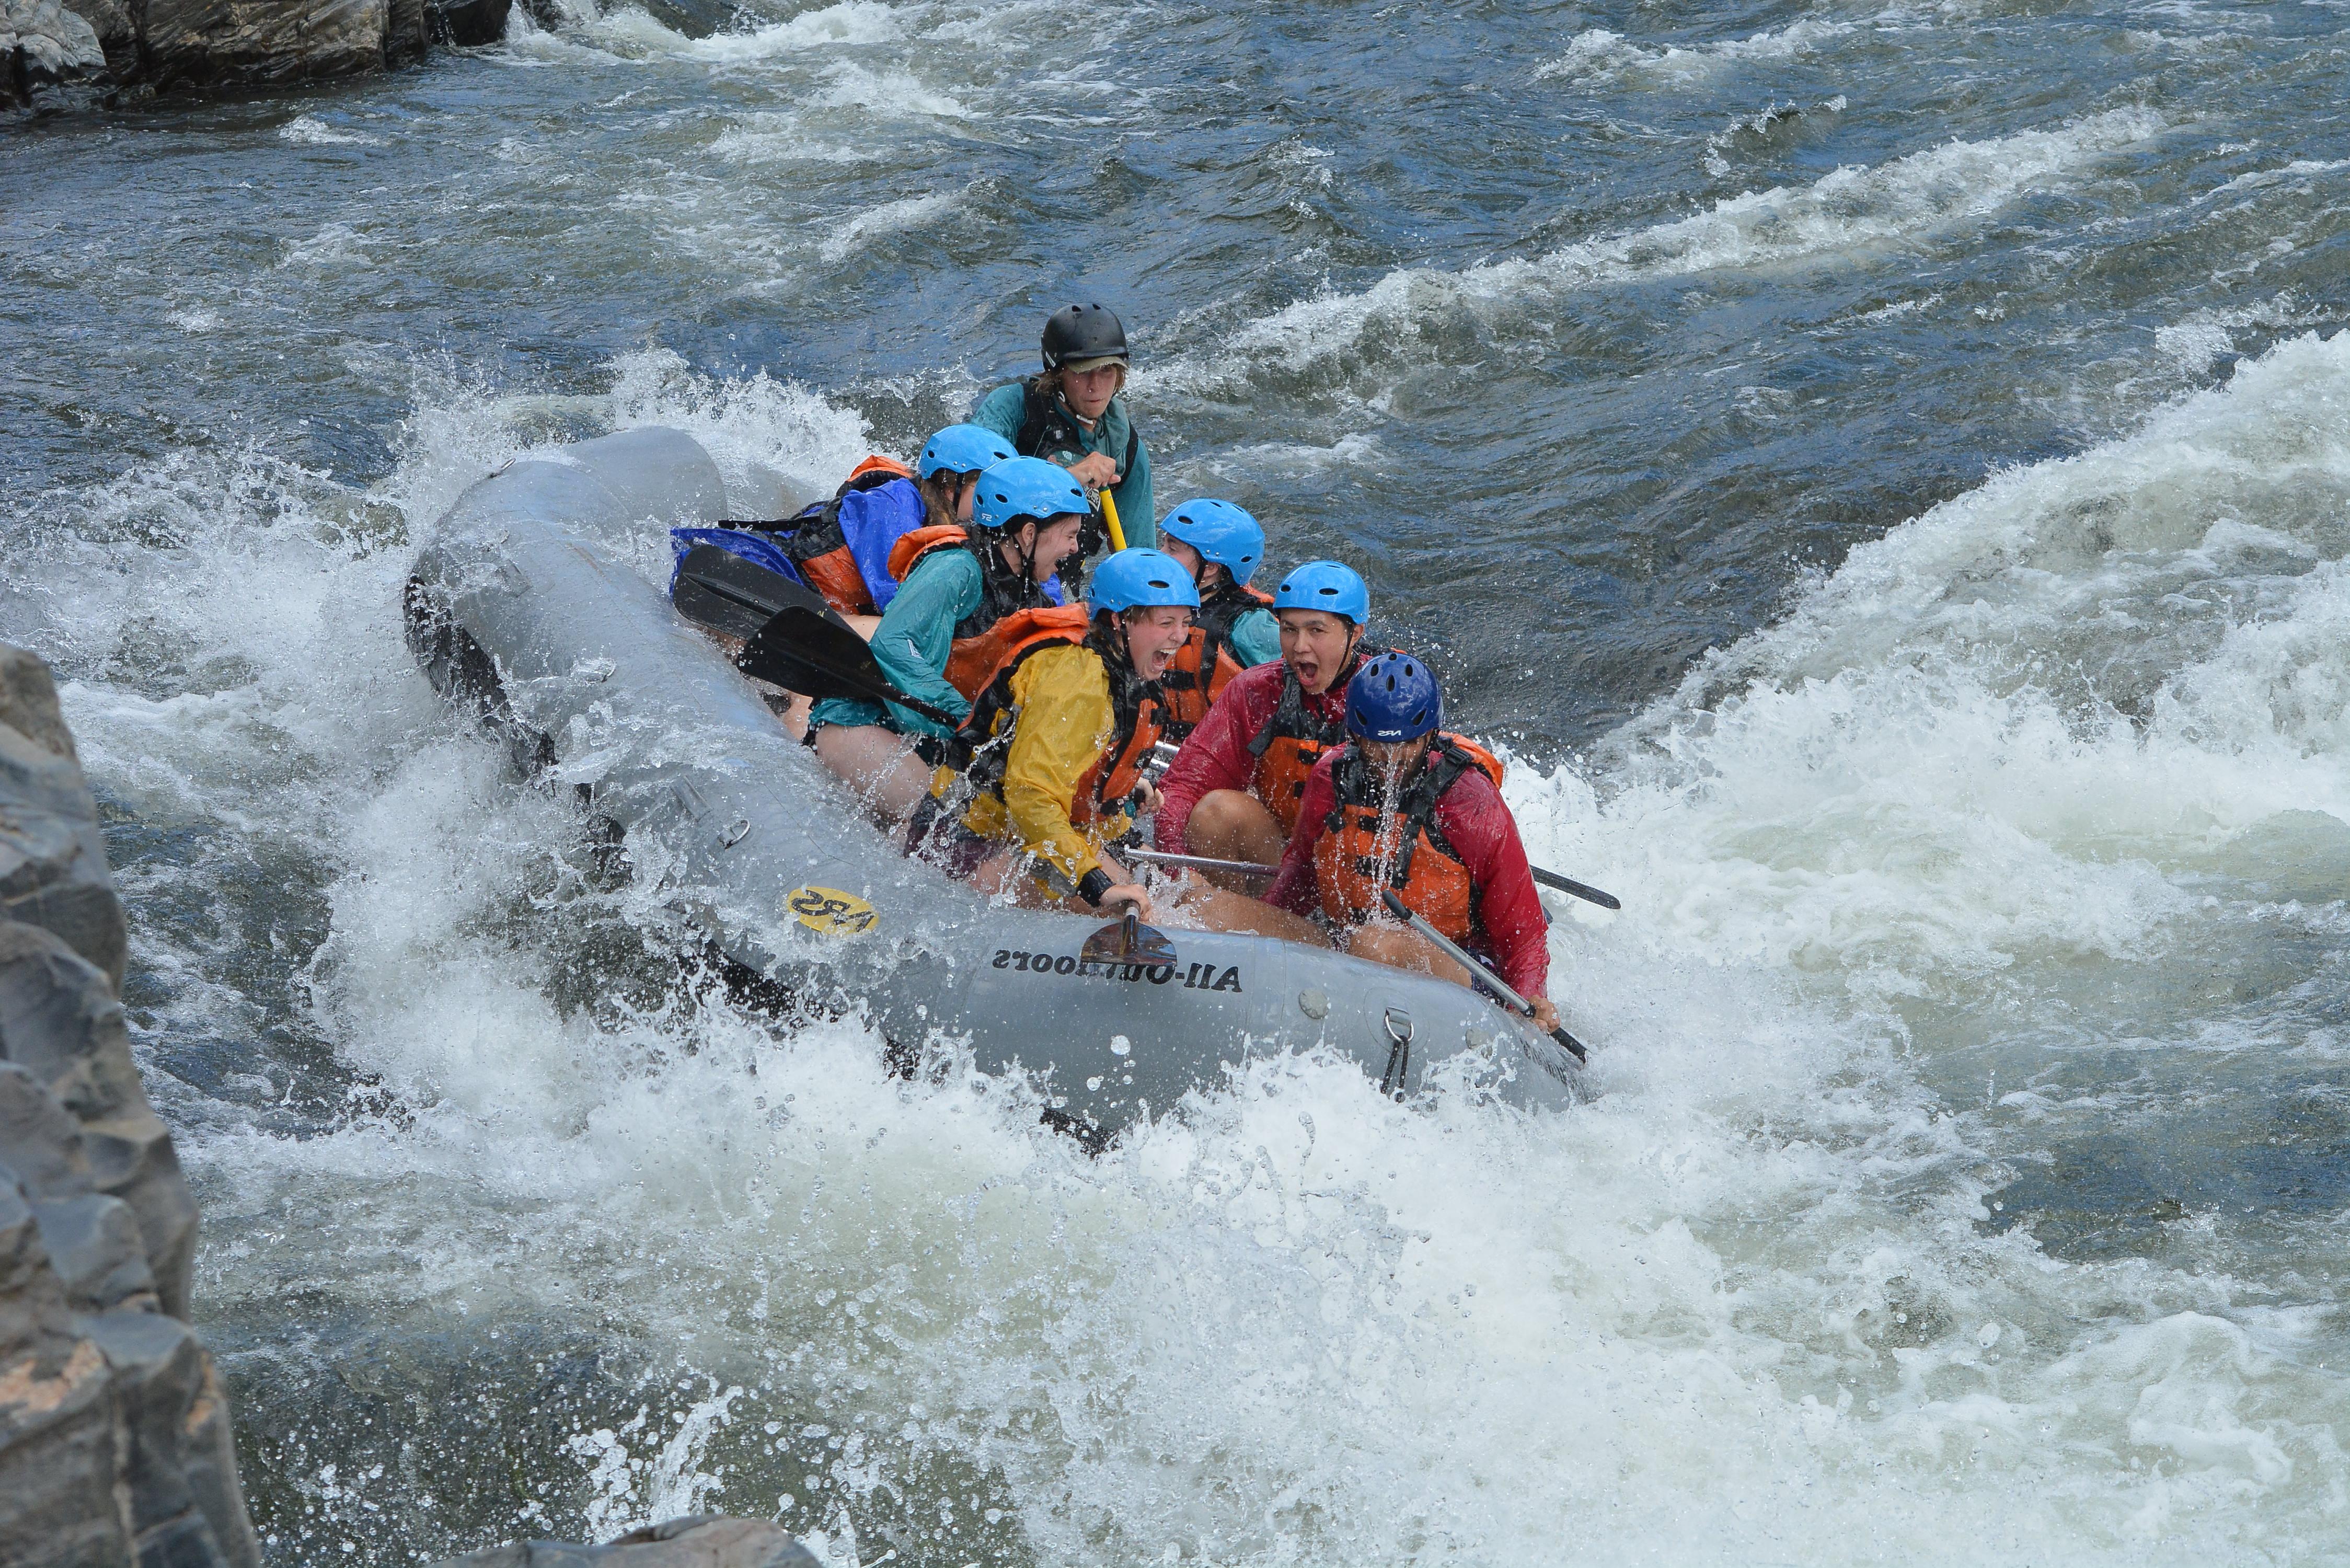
2024	724
1844	214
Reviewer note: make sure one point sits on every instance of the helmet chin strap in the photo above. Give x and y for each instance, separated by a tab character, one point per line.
1027	553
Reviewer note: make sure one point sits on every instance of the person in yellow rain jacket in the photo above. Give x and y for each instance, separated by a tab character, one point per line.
1061	734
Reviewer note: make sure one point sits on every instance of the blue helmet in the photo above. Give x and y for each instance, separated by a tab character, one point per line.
1026	487
1135	578
1326	585
1393	698
961	449
1220	532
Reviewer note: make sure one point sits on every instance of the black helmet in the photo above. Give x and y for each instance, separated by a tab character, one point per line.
1081	332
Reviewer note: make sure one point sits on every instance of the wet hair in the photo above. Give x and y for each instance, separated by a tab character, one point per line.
1049	383
938	497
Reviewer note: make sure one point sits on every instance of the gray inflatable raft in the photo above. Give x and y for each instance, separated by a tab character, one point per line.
532	602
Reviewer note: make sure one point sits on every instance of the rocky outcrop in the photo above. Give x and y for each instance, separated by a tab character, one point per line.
49	46
701	1540
43	44
114	1432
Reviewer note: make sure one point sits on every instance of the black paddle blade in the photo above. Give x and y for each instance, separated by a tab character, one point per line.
1583	890
1574	1046
801	651
1128	940
720	589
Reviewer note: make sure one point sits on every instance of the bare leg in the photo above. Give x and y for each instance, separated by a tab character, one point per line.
878	764
1233	825
863	626
1188	904
1213	909
1398	948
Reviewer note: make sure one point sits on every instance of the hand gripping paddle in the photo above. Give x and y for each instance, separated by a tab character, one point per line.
1483	976
792	638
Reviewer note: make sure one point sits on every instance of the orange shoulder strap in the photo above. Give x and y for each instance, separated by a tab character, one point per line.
1486	761
913	547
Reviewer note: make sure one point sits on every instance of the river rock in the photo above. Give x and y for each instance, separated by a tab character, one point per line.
117	34
115	1444
53	870
698	1541
468	23
44	44
156	43
273	41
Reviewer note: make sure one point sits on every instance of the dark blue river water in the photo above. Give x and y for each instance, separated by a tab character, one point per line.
1884	472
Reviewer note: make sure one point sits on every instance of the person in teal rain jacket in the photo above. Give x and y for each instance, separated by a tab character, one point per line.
1073	415
1025	517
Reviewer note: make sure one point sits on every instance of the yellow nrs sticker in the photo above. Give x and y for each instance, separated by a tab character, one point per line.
830	911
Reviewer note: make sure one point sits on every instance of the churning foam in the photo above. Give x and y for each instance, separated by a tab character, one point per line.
1597	53
1739	1309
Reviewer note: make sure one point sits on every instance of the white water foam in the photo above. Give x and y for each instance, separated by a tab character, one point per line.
889	218
1739	1309
334	245
1845	213
1597	54
307	130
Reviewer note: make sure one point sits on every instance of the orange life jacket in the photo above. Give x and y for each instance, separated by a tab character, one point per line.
1369	843
1187	695
814	540
1009	608
1138	717
1290	741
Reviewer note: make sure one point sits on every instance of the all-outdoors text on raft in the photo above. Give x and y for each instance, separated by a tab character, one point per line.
1196	977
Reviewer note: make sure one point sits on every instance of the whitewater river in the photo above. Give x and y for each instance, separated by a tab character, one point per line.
1884	473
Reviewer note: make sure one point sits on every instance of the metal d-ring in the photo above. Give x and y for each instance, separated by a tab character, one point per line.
1399	1054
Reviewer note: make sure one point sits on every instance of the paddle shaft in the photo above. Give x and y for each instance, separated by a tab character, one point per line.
1200	862
1484	976
1110	515
1580	890
1252	869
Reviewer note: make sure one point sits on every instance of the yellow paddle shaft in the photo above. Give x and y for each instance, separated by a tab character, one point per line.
1110	515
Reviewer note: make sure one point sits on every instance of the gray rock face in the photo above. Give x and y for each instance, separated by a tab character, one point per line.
701	1540
42	43
50	44
53	871
117	34
261	40
467	23
114	1434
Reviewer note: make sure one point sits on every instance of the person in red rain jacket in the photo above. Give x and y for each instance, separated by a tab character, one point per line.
1232	789
1403	807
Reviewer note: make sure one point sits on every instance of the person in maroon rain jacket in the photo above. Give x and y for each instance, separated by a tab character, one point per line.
1404	807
